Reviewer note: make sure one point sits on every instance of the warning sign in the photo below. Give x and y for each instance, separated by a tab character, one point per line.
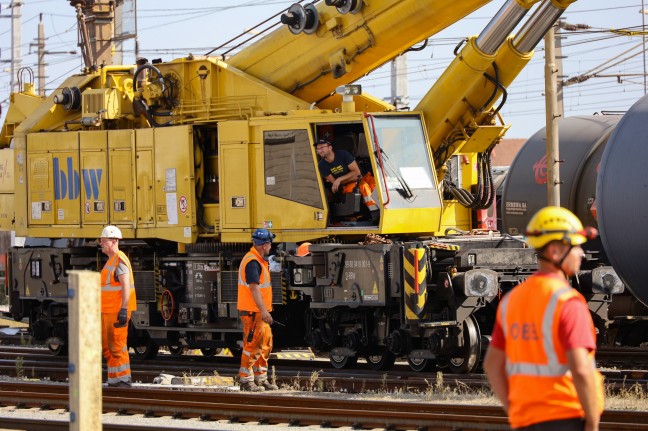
183	204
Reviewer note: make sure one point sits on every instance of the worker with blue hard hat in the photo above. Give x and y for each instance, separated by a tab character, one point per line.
255	305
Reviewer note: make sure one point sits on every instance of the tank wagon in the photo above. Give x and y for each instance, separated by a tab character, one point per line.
619	312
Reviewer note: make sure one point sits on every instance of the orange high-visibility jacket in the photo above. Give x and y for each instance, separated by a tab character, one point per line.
541	387
245	299
111	290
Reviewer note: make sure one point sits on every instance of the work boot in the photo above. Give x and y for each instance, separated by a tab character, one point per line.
267	385
375	216
250	386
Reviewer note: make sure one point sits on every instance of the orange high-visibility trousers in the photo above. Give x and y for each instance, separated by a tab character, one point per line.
256	351
366	186
114	343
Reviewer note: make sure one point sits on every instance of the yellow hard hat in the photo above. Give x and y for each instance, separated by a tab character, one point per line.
303	250
557	224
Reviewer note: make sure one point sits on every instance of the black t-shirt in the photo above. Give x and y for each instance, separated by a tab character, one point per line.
253	272
339	166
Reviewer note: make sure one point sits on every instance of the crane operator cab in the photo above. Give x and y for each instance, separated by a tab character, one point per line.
377	168
344	165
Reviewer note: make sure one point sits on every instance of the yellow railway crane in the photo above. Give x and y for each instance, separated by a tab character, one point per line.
190	156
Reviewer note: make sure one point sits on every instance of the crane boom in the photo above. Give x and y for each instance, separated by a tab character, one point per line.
343	48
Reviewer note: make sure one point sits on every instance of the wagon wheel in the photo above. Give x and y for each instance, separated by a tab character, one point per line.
341	361
466	358
210	351
146	351
57	349
381	359
421	364
177	350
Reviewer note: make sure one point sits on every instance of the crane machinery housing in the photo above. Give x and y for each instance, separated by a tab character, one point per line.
189	156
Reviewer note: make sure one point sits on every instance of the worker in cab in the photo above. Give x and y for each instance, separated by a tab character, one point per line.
540	362
117	303
255	305
342	172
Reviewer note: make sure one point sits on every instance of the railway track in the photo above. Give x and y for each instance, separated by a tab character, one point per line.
289	410
299	375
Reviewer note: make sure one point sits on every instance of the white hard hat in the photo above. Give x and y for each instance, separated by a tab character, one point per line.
111	232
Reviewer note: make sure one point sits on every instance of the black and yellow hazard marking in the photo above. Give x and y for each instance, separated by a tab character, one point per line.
442	246
415	270
304	355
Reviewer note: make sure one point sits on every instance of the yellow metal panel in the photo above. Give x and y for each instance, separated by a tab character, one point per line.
144	139
144	177
175	204
411	220
454	215
94	184
66	167
145	196
6	170
482	138
53	178
41	196
121	172
234	170
6	211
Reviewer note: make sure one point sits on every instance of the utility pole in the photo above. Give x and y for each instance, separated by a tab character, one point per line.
40	44
559	67
643	38
551	102
399	87
41	57
16	37
125	28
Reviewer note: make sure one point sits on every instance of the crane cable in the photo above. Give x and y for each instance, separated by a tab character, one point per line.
248	31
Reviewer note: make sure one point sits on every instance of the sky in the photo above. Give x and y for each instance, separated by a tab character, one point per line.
612	48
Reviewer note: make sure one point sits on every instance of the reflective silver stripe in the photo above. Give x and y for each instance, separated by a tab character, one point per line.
553	368
107	287
245	371
525	368
547	324
125	367
112	380
111	288
266	273
111	273
245	352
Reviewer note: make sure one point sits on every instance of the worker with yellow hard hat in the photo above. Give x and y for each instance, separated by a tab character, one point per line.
540	362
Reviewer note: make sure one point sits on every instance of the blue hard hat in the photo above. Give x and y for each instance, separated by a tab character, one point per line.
262	236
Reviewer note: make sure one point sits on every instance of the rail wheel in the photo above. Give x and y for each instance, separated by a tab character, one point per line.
421	364
177	350
341	361
57	349
466	358
210	351
146	351
381	359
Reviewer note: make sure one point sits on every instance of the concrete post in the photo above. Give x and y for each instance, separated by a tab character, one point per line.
84	334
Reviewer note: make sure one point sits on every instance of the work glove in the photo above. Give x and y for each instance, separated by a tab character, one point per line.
122	316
